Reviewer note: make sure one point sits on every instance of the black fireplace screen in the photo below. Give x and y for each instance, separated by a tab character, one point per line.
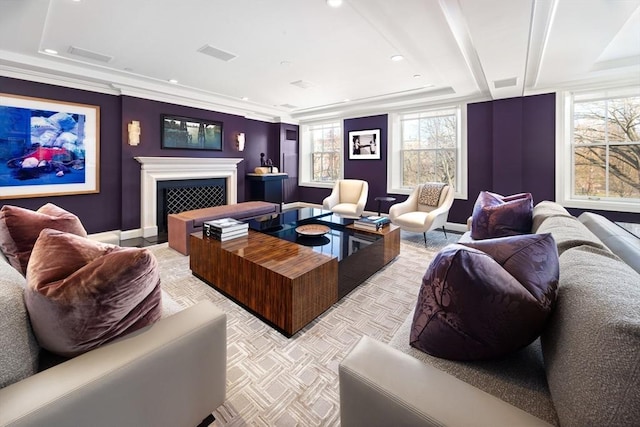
186	195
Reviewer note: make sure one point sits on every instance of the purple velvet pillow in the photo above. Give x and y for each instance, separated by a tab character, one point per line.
499	216
486	299
81	294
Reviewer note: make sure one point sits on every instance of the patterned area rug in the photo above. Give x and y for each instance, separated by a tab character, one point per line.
277	381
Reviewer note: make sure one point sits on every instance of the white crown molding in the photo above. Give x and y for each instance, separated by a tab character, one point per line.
64	72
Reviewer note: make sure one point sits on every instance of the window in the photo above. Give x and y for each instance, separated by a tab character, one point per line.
321	154
427	146
601	153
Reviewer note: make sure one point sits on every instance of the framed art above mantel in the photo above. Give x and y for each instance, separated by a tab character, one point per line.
364	144
48	147
193	134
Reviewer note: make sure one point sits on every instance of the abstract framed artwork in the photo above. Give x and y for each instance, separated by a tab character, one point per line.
48	147
193	134
364	144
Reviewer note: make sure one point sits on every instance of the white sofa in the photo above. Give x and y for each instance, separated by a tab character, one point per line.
171	373
582	372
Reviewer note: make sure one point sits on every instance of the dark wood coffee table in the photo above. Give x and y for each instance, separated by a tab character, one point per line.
288	284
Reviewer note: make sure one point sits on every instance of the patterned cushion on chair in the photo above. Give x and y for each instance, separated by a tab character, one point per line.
430	193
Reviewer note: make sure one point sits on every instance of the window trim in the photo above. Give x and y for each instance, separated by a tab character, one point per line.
564	154
306	152
394	152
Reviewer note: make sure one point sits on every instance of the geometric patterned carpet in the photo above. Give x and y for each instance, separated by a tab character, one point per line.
277	381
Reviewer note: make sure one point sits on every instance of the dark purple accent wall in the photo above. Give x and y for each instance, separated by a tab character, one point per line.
101	211
511	149
258	137
117	205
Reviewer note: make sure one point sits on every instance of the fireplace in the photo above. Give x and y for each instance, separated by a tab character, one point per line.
158	169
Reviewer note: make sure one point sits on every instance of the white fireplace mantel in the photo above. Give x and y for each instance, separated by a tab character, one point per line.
154	169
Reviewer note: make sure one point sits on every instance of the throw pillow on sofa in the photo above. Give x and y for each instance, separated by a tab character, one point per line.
81	293
20	227
488	300
495	215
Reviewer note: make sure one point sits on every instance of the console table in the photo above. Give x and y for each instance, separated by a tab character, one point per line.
266	187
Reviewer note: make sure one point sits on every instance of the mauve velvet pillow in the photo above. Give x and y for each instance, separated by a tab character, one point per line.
486	299
499	216
20	228
81	294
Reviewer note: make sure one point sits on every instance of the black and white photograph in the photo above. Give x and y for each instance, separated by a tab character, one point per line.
364	144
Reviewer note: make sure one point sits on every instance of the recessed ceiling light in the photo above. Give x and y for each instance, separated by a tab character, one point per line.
417	76
51	51
245	98
285	63
173	81
334	3
397	58
346	100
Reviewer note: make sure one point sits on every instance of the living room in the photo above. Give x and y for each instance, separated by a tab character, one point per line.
512	141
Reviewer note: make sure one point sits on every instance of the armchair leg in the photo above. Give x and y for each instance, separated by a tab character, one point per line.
425	237
444	231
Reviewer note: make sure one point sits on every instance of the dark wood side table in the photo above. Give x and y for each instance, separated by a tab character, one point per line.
381	199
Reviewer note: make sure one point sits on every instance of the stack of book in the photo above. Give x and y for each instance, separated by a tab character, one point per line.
371	223
225	229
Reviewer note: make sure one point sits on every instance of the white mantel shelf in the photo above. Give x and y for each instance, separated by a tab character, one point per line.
154	169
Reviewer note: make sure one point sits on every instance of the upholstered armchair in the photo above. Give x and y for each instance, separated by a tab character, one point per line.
426	209
347	198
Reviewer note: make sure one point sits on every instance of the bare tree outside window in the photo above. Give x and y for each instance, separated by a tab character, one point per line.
606	148
326	141
429	147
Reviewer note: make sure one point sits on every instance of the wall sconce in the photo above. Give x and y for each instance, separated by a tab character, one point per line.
240	141
134	132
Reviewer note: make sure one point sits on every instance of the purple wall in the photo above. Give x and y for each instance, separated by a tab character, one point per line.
117	205
511	148
258	137
101	211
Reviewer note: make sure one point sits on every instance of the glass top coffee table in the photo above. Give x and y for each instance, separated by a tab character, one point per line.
287	278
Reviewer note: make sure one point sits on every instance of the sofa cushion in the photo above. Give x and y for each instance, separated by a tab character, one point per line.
486	301
81	293
591	342
546	209
499	216
20	227
18	347
569	232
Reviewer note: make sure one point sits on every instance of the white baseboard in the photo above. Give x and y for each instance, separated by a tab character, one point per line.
131	234
112	237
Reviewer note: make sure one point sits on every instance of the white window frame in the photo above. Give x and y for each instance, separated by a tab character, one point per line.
394	150
564	153
305	178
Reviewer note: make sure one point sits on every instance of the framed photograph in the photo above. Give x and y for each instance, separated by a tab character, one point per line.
194	134
48	148
364	144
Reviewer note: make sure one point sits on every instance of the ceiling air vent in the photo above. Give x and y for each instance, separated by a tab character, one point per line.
216	53
498	84
302	84
89	54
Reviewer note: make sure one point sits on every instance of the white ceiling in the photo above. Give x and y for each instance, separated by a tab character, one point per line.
453	49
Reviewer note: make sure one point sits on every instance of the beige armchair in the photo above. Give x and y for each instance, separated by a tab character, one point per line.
412	215
347	198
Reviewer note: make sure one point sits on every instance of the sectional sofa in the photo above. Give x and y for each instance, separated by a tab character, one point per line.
584	370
